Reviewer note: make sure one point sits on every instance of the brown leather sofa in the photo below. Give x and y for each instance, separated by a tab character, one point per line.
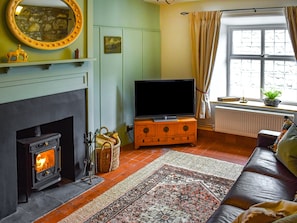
263	179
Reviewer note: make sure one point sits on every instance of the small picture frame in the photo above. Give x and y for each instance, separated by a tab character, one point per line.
112	44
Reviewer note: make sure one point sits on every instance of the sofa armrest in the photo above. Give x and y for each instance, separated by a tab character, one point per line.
266	137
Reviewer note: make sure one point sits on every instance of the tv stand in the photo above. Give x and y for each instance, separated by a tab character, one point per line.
148	132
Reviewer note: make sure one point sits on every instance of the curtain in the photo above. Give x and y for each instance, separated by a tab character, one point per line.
291	17
204	31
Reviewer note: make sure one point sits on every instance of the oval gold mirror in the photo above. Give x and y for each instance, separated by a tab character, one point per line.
45	24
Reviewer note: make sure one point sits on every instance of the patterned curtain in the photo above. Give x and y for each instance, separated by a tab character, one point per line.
204	31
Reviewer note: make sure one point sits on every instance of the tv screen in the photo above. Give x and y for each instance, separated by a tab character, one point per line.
164	98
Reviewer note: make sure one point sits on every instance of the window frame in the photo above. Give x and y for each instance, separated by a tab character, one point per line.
262	57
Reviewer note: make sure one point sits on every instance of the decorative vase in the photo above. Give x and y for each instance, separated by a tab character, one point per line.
272	102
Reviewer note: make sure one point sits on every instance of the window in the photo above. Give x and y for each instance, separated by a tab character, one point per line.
261	57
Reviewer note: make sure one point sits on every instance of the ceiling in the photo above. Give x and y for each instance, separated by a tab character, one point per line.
169	1
45	3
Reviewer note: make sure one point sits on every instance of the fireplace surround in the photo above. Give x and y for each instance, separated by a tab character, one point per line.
64	113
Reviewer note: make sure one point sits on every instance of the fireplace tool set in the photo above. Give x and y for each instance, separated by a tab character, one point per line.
102	152
89	171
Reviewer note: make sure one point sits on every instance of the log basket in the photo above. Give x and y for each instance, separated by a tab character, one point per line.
108	146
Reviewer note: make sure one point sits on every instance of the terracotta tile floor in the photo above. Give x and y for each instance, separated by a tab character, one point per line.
220	146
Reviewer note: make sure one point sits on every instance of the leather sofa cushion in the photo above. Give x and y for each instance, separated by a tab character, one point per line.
252	188
266	138
265	162
225	214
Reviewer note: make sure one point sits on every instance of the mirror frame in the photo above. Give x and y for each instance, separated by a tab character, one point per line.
70	38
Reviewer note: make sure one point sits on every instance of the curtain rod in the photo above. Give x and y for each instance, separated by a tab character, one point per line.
245	9
254	9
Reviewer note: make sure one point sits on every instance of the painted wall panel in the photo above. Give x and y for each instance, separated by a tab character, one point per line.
97	98
132	70
111	69
138	23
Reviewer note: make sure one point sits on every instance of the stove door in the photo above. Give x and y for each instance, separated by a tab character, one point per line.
44	164
46	167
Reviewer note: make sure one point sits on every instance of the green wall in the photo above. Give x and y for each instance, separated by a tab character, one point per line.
126	13
138	24
110	89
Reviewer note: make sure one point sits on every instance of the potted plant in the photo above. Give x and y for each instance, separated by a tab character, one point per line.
271	97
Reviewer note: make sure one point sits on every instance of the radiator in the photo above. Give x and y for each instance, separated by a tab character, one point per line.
247	122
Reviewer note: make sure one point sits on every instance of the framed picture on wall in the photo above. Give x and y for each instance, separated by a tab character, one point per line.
112	44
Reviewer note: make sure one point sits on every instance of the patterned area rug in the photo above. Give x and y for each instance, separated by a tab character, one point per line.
171	194
177	187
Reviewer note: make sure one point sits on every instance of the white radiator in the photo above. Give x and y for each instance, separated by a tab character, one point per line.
247	122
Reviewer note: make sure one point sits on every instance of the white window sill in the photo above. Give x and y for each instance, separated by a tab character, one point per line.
257	106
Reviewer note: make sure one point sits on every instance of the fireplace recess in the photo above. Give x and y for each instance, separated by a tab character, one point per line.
39	163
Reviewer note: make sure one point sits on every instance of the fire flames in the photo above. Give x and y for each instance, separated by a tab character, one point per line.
45	160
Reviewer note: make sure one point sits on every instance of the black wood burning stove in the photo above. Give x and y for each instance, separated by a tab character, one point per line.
39	163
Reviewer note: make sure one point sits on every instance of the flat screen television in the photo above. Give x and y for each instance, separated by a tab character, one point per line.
164	99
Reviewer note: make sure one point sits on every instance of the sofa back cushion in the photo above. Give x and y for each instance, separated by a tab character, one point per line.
287	149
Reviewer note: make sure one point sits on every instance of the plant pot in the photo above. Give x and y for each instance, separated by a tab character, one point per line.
272	102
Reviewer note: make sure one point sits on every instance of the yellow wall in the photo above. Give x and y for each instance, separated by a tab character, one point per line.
9	43
175	42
